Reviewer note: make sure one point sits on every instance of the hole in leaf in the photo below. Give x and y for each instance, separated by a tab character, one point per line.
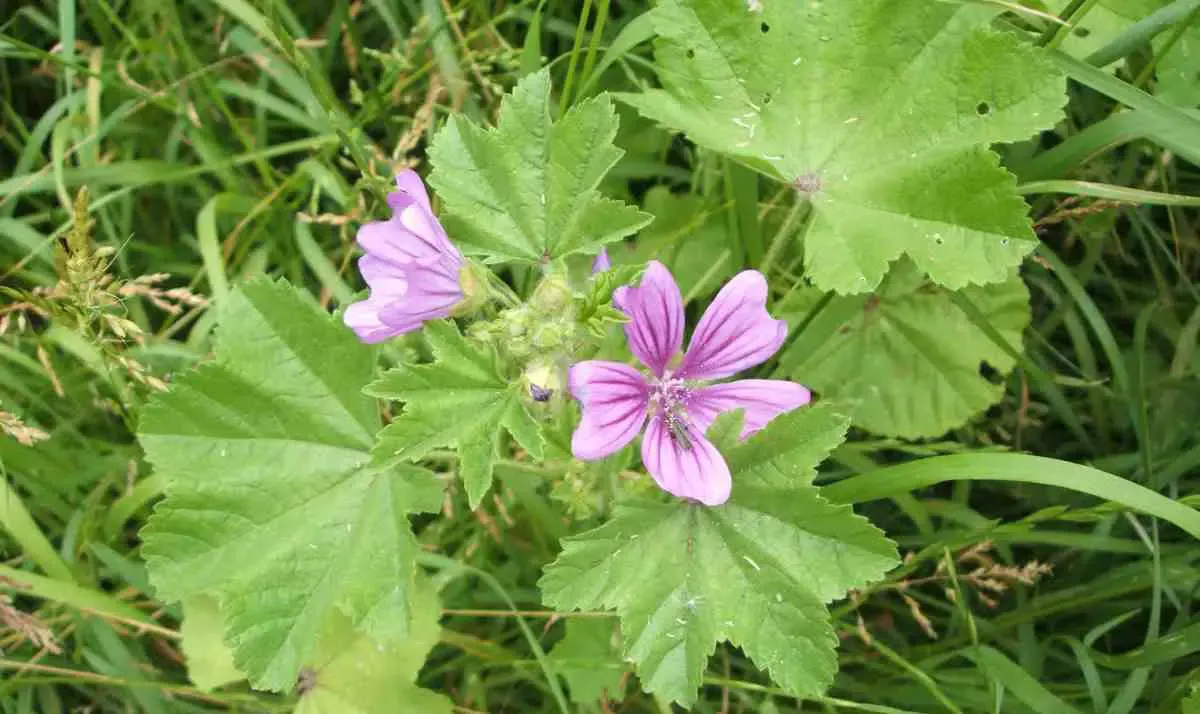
1082	32
983	109
306	681
990	373
765	28
691	54
766	99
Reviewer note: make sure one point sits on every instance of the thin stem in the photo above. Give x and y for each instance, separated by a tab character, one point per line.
444	563
779	692
736	247
524	613
76	675
1071	15
565	100
500	290
709	275
769	366
778	242
594	44
918	674
1172	40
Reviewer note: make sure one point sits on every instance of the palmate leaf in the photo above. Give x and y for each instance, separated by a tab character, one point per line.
526	190
906	358
272	504
880	110
463	400
351	673
756	571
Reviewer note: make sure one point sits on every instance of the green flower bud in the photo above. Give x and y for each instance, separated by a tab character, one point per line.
552	295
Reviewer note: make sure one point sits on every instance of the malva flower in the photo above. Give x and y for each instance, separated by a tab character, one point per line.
412	270
673	399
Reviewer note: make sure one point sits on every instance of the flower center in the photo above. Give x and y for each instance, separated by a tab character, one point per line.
670	396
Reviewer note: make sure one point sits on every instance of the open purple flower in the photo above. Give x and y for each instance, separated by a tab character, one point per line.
413	271
673	401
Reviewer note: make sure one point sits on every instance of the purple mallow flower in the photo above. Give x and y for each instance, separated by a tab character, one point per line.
413	271
672	401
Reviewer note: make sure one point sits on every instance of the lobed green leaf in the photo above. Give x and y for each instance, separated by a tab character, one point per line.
525	191
352	673
756	571
273	506
462	399
879	111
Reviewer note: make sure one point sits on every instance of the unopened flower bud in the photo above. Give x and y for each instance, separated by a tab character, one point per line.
551	336
482	331
514	329
553	294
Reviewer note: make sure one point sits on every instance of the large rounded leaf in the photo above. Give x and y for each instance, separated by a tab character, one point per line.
273	506
906	359
880	111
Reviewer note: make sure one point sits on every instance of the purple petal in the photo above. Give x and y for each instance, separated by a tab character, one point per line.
602	262
406	295
363	318
393	241
411	268
614	398
411	190
413	234
762	400
655	310
430	296
689	467
735	332
383	278
421	223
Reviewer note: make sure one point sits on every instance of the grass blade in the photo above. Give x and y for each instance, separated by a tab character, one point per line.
16	520
1018	681
1109	191
1022	468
